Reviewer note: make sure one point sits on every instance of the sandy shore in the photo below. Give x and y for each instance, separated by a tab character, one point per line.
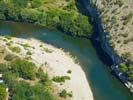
57	63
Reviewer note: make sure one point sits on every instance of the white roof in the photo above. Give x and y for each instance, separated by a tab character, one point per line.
1	81
0	75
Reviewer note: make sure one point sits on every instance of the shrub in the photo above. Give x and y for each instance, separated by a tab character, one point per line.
69	71
8	37
26	46
47	50
3	67
8	44
29	53
42	76
15	49
123	68
126	55
9	57
24	91
61	78
64	94
3	93
25	69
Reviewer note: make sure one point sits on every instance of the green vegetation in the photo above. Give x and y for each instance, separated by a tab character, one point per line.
69	71
10	57
8	37
47	50
64	94
24	69
123	68
26	46
29	53
15	49
24	91
15	70
127	69
61	78
42	76
8	44
127	18
53	14
119	2
3	93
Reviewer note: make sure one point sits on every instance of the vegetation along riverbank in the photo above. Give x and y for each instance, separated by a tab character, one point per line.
34	70
67	16
53	14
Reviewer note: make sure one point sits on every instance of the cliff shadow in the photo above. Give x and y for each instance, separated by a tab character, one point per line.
85	8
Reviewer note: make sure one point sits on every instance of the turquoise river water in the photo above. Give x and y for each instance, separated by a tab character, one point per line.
103	84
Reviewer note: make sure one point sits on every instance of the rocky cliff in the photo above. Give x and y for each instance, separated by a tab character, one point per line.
100	40
113	24
117	19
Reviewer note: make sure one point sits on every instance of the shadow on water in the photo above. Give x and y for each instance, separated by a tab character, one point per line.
82	6
103	84
85	8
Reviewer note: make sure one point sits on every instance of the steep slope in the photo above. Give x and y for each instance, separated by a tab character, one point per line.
117	19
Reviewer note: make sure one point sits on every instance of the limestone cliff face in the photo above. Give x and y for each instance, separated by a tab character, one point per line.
117	20
99	38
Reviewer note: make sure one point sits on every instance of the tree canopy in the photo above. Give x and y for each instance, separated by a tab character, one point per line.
3	93
47	13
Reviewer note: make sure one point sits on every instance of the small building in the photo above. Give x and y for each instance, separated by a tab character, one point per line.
0	75
1	79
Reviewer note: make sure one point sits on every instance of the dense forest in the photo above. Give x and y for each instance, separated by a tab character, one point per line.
53	14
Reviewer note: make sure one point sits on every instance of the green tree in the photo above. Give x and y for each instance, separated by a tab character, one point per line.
3	93
24	68
30	15
123	68
42	76
130	75
20	3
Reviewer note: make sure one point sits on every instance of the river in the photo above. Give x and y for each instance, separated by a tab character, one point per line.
103	84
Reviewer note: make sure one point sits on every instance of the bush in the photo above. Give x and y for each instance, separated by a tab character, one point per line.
15	49
2	16
8	44
61	78
24	91
10	57
25	69
3	67
29	53
64	94
30	15
42	76
123	68
8	37
3	93
69	71
76	26
47	50
10	78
